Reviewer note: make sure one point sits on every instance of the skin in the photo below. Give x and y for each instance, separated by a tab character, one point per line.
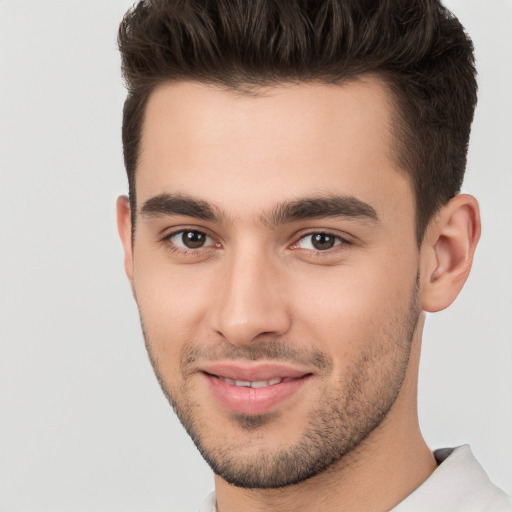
259	290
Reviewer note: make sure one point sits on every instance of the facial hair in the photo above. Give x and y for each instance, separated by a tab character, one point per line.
346	416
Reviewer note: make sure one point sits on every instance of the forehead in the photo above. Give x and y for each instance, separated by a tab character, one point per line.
245	151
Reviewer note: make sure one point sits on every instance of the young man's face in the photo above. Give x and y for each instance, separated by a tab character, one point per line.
275	267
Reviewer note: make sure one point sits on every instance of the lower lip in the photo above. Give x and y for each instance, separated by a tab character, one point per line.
245	400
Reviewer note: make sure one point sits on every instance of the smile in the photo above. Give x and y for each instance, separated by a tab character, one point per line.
254	388
254	384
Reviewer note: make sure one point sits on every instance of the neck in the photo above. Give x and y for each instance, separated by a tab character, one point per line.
375	476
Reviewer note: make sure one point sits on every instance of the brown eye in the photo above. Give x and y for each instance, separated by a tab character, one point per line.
191	239
319	241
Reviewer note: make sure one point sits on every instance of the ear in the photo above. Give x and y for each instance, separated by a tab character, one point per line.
124	226
447	251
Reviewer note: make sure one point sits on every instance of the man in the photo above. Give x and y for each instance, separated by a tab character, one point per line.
294	210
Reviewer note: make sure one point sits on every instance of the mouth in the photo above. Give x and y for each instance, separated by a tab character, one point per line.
254	388
256	383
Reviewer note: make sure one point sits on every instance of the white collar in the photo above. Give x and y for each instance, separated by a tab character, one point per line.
459	484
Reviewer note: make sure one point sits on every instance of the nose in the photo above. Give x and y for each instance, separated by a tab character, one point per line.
251	301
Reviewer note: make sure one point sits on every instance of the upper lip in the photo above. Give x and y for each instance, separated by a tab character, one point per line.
253	372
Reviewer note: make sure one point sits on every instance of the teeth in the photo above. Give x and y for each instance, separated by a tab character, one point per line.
260	384
253	384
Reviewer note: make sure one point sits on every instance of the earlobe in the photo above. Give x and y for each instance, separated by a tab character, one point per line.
124	227
448	251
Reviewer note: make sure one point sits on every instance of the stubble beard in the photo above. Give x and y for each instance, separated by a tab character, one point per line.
344	419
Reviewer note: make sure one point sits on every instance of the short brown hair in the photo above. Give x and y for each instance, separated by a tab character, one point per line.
417	47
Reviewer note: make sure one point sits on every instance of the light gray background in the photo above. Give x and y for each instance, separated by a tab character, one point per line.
83	424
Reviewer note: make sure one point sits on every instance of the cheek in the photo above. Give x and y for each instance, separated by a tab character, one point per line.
350	306
172	300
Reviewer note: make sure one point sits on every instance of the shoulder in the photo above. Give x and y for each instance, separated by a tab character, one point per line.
459	484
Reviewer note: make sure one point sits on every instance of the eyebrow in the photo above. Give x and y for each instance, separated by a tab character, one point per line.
178	204
347	207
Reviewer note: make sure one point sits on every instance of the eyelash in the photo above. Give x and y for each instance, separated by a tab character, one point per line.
171	246
341	243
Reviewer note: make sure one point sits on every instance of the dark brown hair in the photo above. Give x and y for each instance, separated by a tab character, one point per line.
417	47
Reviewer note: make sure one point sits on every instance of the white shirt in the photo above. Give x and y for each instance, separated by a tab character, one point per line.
459	484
